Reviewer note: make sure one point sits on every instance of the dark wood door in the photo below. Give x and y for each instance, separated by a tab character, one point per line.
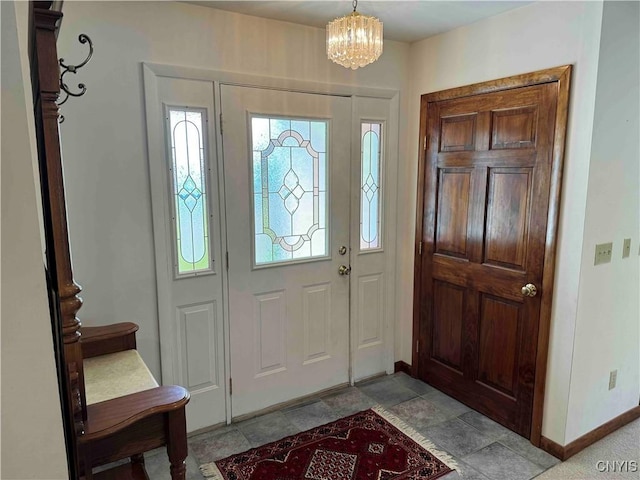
487	177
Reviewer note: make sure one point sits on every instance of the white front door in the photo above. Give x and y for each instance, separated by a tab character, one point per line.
287	181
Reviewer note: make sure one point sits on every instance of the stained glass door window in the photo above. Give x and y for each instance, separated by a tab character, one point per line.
371	153
289	189
189	171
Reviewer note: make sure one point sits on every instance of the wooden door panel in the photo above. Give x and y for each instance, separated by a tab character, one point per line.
458	133
508	204
448	310
453	211
499	326
514	128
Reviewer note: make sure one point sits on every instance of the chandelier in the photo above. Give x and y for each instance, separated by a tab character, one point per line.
354	40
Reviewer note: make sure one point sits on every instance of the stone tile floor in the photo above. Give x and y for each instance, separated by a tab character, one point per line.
483	449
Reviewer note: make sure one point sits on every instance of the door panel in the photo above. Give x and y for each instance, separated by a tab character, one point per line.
269	322
370	309
458	133
486	196
198	331
190	304
372	248
498	355
513	128
507	216
287	168
316	314
453	211
448	309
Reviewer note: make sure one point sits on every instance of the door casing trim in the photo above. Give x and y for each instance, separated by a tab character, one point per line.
562	76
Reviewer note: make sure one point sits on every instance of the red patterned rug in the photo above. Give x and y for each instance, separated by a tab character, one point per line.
370	445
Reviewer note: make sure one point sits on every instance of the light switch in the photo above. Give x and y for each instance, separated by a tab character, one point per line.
603	253
626	247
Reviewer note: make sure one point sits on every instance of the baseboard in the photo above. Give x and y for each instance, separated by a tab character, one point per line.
402	367
552	448
590	438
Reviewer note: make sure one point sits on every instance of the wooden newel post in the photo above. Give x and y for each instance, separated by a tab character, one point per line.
46	89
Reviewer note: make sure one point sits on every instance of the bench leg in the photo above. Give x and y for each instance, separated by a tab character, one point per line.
177	443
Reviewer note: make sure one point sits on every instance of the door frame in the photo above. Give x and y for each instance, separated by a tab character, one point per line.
562	77
151	72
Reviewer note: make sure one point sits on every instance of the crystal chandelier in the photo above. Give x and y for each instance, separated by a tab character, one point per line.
354	40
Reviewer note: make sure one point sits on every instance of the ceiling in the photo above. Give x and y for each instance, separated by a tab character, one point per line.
405	21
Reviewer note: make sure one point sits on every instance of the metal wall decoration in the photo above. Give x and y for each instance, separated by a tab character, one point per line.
82	38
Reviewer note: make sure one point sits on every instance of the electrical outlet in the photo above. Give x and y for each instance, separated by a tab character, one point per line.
603	253
626	247
613	377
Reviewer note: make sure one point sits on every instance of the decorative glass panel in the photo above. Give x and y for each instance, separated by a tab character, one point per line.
289	189
371	138
189	188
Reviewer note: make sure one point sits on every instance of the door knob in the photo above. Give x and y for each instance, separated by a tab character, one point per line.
344	270
529	290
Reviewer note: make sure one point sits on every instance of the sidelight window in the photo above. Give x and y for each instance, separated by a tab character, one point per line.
189	180
370	186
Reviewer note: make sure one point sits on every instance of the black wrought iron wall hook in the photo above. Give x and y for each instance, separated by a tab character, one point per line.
65	69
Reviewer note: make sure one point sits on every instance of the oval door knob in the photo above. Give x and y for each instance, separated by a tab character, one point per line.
529	290
344	270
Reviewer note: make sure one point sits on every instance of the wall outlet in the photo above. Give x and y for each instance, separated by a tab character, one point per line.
603	253
613	377
626	247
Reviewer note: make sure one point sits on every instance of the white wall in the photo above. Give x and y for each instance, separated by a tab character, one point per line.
533	37
104	135
608	321
32	437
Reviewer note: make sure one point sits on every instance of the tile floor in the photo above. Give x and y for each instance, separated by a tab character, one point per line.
483	449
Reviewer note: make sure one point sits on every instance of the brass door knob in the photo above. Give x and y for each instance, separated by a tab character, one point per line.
344	270
529	290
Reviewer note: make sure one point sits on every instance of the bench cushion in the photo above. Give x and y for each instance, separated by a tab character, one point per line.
115	375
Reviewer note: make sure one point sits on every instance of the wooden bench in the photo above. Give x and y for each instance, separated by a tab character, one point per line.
127	412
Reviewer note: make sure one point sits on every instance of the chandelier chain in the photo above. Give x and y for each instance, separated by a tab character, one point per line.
355	5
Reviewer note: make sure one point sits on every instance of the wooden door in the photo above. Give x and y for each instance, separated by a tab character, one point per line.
488	167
